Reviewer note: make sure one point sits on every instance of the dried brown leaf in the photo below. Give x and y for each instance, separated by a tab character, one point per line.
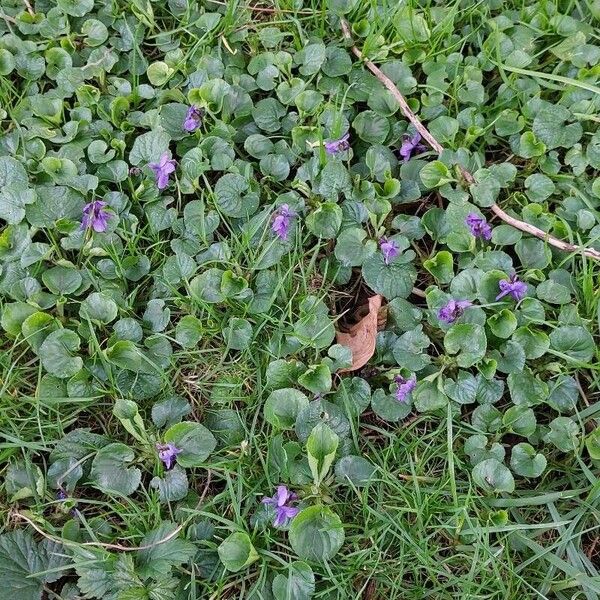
361	336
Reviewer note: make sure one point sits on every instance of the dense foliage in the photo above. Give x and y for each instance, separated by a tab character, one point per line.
195	197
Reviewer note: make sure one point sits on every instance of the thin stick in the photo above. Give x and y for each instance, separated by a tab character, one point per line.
426	135
8	19
29	7
119	547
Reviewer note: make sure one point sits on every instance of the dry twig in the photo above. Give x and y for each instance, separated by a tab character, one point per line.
118	547
29	7
426	135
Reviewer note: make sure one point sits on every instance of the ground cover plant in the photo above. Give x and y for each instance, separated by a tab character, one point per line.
299	299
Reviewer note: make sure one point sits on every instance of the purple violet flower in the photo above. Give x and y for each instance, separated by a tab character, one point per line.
167	453
95	216
162	169
479	227
405	387
280	501
517	289
193	119
389	249
282	219
61	495
452	310
410	145
335	146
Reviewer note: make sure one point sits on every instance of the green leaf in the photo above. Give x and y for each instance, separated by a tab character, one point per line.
533	253
503	323
325	221
526	462
353	395
395	280
62	280
170	411
539	187
321	447
56	353
14	315
99	308
527	389
315	330
149	147
553	292
206	287
319	411
283	406
463	390
233	196
126	355
435	174
13	202
476	448
159	73
530	146
110	472
441	266
188	331
550	126
409	349
194	440
238	334
316	379
520	420
237	552
592	443
354	470
75	8
351	248
534	342
564	434
574	342
428	396
299	584
468	340
371	127
316	534
386	407
20	564
159	558
493	476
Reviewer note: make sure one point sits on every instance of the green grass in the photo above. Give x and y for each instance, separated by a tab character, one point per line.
420	529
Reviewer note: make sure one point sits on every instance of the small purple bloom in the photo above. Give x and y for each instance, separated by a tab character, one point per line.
282	219
167	453
479	227
405	387
452	310
517	289
193	119
335	146
410	145
162	169
280	501
61	495
389	249
95	216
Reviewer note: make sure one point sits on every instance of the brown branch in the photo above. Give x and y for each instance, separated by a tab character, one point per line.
8	19
29	7
468	177
118	547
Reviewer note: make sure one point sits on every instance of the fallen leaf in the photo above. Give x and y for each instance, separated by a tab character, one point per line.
361	336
